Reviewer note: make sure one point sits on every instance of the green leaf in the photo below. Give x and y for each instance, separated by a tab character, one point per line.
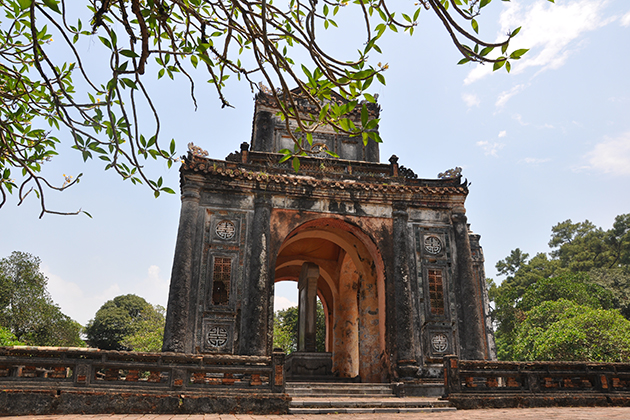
486	51
508	66
129	83
87	214
518	54
129	53
25	4
53	5
364	115
296	164
475	26
517	30
106	42
498	65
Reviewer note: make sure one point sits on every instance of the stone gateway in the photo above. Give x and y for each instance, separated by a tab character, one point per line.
391	257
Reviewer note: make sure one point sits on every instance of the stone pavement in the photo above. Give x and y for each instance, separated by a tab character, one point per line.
571	413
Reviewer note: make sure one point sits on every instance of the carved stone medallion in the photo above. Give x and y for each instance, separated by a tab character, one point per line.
439	342
217	336
432	244
225	229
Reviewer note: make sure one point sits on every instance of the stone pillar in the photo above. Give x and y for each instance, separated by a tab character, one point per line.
262	138
480	278
307	307
254	334
403	295
471	323
177	331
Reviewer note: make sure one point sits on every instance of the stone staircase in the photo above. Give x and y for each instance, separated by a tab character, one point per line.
355	398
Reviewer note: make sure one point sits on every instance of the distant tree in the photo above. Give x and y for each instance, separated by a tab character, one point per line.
27	309
117	325
285	329
588	266
583	246
617	281
149	332
565	330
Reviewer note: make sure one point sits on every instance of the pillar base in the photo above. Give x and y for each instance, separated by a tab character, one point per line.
308	365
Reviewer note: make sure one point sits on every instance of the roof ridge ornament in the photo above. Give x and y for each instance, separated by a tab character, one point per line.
196	150
451	173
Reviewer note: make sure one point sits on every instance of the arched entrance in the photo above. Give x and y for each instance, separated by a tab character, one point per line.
347	270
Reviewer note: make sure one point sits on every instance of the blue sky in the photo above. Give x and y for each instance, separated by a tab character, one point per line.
548	142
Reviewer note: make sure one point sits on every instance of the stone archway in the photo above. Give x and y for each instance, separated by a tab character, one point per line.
350	285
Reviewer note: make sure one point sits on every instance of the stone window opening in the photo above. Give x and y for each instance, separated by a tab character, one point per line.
221	280
436	291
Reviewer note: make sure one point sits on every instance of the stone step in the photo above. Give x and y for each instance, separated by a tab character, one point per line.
368	410
337	389
367	405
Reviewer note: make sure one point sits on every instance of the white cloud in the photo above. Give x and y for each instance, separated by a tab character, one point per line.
549	30
153	288
612	156
72	299
470	100
490	149
535	160
625	19
80	306
502	133
280	303
507	94
519	118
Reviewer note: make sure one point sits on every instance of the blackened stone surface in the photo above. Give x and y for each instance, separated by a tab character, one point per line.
257	287
177	337
308	364
262	137
470	317
42	402
404	295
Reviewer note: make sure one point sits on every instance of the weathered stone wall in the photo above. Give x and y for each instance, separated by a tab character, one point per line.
400	273
36	381
492	384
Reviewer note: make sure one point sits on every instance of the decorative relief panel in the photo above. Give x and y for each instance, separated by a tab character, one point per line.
439	342
225	228
218	336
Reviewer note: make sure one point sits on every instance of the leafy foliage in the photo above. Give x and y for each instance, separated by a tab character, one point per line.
564	330
253	40
127	322
149	332
589	267
285	329
26	308
7	338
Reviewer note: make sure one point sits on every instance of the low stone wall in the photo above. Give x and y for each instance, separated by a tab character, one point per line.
38	380
491	384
